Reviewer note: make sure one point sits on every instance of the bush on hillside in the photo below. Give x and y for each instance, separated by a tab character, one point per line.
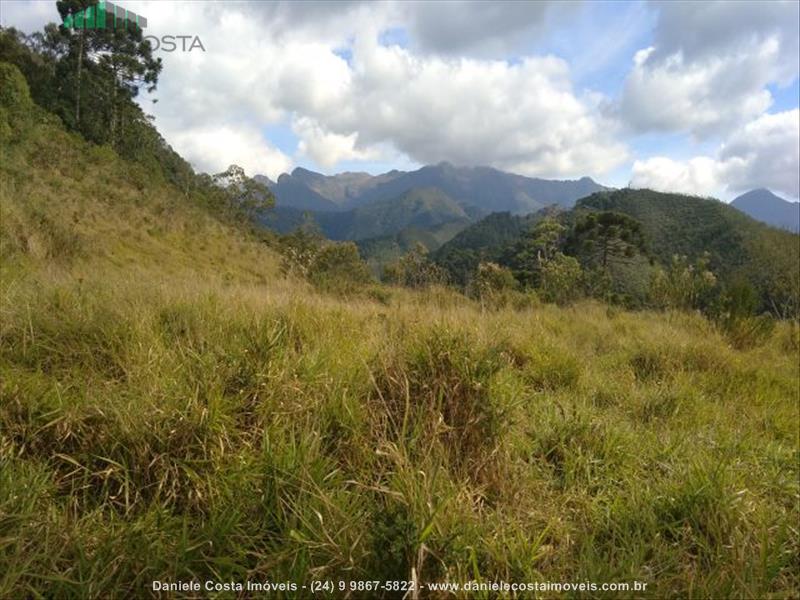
15	103
683	285
492	285
736	314
415	270
338	268
560	279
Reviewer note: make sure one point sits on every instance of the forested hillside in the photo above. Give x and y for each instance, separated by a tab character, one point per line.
736	249
485	241
422	208
739	247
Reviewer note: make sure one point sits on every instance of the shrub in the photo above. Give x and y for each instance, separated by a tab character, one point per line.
735	315
560	279
683	285
415	270
339	268
492	285
15	102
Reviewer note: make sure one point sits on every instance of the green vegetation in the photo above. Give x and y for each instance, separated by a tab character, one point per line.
424	208
381	251
415	270
738	247
183	397
626	240
485	241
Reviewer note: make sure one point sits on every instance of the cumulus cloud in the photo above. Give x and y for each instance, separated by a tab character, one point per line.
763	153
447	91
378	102
710	64
699	175
489	28
325	148
213	148
523	117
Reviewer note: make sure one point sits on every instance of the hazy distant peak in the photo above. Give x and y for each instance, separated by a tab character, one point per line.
263	179
300	172
763	205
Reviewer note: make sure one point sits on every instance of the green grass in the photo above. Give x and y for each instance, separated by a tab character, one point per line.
171	408
202	430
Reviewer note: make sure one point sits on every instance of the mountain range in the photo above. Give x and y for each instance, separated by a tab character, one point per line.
764	206
484	189
387	214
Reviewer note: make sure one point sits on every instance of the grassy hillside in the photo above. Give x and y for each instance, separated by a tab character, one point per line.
171	408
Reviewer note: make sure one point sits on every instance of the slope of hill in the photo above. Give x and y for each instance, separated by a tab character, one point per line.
484	241
383	250
68	202
740	247
764	206
487	189
419	207
673	224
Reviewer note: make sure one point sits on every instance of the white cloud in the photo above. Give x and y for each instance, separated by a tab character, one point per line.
214	148
699	175
325	148
524	117
27	16
763	153
709	67
383	101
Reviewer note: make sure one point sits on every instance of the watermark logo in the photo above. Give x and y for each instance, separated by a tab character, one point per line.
104	15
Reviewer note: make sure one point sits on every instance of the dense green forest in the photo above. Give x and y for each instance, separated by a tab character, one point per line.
673	229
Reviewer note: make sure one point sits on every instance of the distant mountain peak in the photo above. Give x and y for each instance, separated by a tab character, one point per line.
758	193
303	172
761	204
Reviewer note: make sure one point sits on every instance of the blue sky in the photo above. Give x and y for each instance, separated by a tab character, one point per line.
688	96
